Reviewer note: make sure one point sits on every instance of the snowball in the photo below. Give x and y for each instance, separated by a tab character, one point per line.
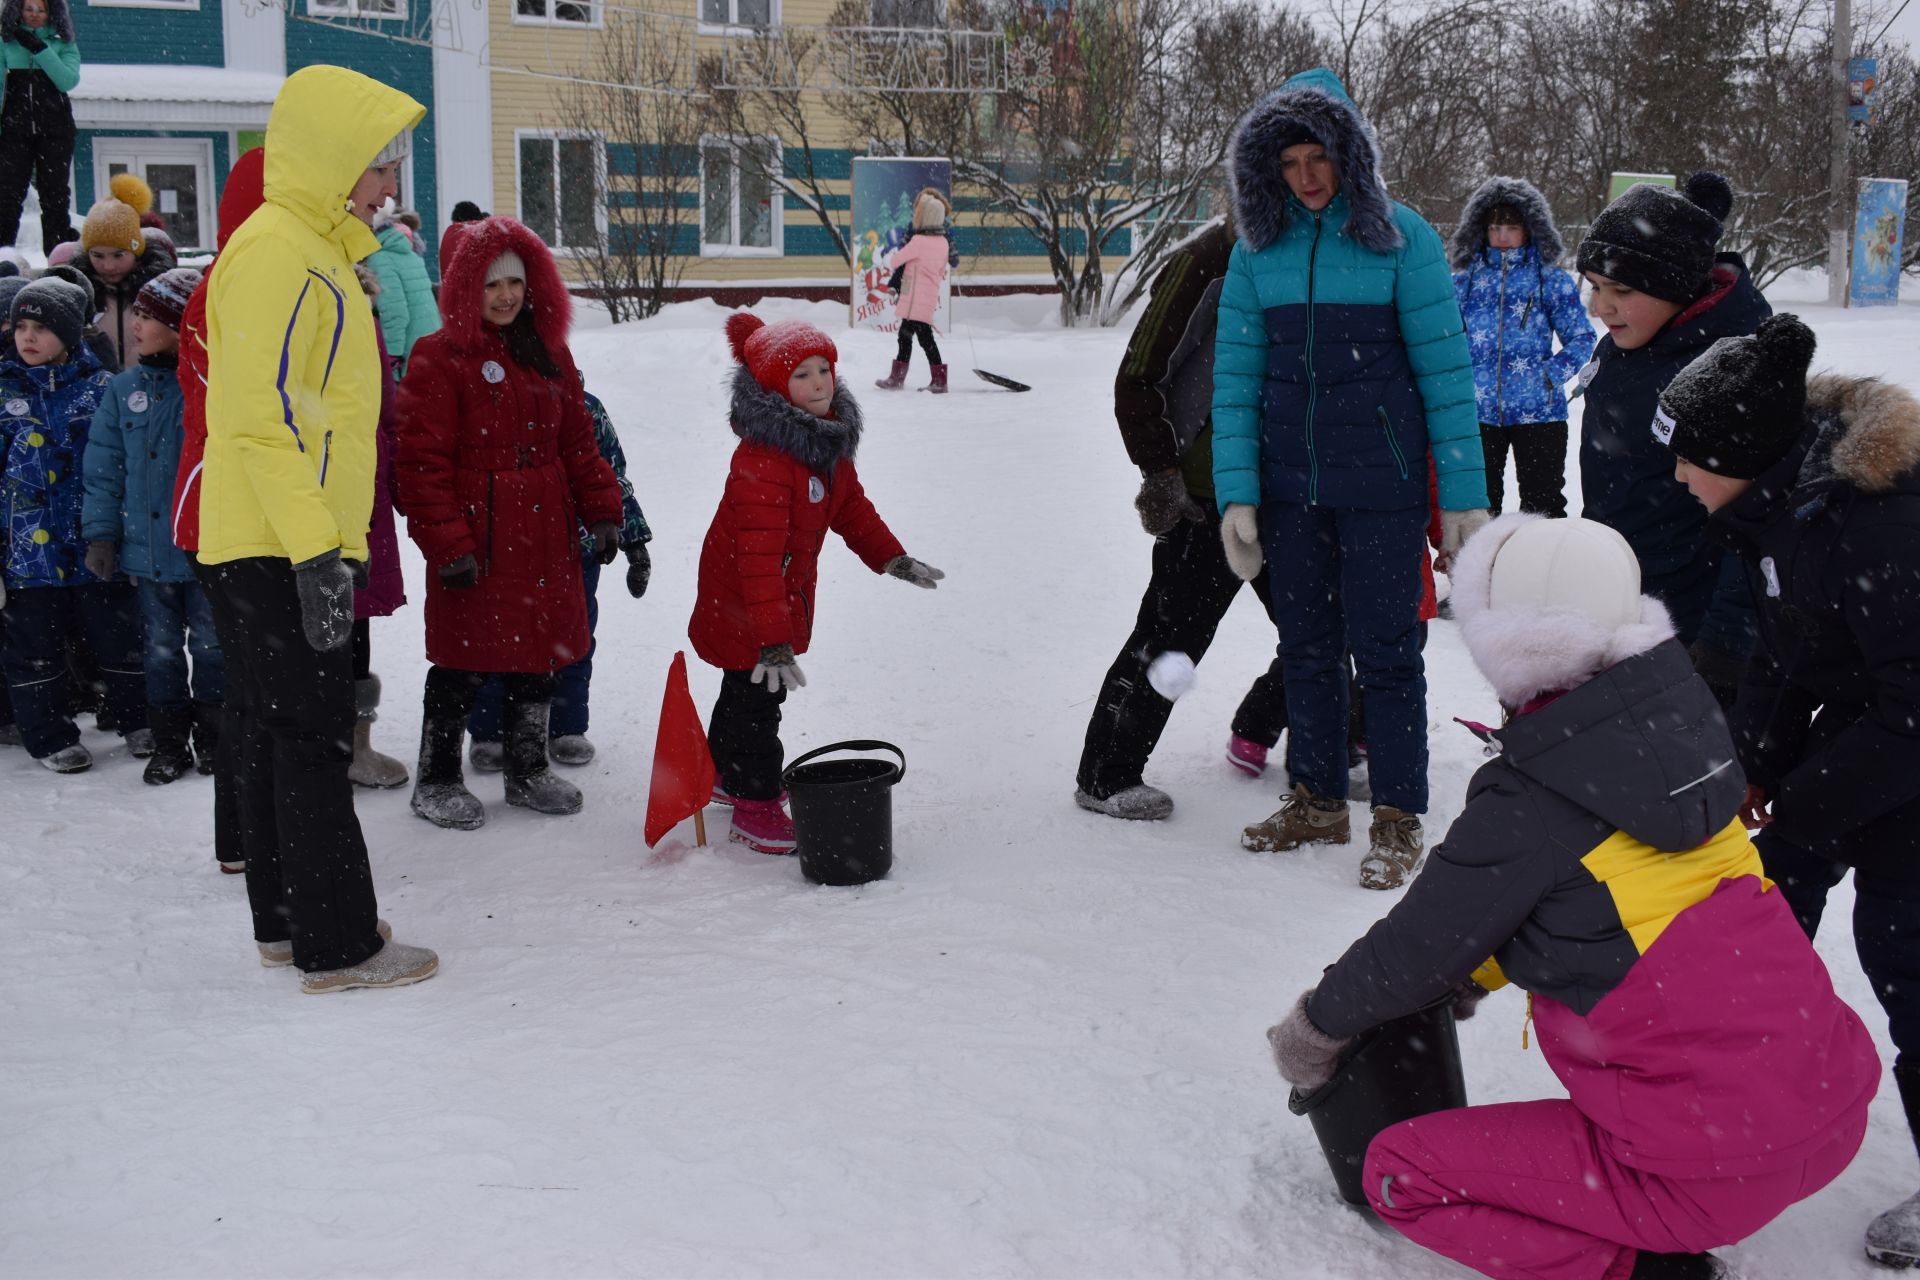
1171	674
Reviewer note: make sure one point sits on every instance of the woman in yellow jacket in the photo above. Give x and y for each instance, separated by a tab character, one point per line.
286	496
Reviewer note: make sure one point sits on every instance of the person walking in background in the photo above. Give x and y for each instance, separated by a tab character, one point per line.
919	267
1515	300
408	309
42	62
1163	400
1340	363
567	741
294	381
133	453
497	471
1815	487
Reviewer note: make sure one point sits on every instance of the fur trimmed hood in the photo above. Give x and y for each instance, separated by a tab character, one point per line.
1869	434
463	285
1525	653
1470	233
759	416
13	16
1316	103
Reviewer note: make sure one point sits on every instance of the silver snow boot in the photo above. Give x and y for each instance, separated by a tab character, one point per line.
440	792
1140	803
530	783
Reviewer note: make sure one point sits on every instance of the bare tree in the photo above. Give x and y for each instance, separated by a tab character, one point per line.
636	93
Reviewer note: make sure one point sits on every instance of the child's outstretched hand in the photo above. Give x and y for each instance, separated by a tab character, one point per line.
778	669
918	572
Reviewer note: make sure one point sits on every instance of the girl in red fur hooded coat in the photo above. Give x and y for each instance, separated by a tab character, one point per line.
497	469
791	480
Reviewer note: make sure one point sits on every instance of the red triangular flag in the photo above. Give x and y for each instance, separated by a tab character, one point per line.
682	765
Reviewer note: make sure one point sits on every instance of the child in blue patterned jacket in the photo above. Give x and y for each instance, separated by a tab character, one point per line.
48	395
1516	299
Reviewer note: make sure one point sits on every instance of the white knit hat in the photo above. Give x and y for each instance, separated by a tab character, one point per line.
507	265
1545	605
397	149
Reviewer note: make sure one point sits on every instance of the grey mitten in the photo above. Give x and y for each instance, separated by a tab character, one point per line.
362	574
325	585
918	572
606	541
1457	526
103	557
461	574
1240	536
778	669
1466	999
1305	1054
1164	502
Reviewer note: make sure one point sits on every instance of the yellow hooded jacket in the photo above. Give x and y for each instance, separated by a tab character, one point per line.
294	377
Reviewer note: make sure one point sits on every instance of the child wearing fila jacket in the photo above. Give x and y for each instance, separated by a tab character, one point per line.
1713	1076
790	481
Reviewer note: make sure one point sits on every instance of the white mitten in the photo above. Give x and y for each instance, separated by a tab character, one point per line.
1457	526
1240	534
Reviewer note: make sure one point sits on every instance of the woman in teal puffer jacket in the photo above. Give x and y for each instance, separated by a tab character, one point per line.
408	311
42	63
1340	365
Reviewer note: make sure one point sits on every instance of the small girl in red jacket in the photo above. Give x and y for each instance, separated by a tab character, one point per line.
791	480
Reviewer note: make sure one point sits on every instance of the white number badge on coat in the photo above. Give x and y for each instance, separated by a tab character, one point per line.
1583	379
1772	575
816	492
492	372
137	402
17	408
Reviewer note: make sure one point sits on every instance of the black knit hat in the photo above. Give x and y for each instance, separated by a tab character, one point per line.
1658	240
55	304
1738	409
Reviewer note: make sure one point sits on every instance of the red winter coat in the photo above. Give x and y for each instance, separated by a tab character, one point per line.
499	462
791	480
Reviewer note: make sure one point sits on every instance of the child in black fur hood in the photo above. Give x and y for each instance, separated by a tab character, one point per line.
791	480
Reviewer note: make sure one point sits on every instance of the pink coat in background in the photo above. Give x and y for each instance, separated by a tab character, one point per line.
386	589
924	263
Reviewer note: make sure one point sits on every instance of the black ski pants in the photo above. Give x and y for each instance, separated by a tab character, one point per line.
1539	463
911	329
743	736
36	145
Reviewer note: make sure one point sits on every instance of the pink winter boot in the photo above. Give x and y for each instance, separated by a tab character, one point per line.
1246	755
939	384
895	380
762	825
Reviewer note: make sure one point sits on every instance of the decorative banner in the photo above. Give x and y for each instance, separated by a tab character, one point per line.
1863	79
1618	183
883	192
1879	227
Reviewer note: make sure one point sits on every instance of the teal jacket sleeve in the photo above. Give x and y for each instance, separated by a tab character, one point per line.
104	474
61	61
395	311
1239	381
1436	340
1570	325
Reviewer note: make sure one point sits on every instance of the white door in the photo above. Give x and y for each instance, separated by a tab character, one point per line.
180	173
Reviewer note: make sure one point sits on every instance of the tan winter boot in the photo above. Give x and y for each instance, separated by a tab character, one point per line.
1397	841
1304	819
370	768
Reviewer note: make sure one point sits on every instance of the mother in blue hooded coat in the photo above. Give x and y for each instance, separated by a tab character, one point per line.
1340	365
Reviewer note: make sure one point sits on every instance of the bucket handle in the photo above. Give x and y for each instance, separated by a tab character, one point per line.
855	744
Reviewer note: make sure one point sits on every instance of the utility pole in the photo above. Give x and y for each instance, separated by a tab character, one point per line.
1840	213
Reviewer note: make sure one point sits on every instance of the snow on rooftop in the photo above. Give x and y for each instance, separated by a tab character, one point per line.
121	82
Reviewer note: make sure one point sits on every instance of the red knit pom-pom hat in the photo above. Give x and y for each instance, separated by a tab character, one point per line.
772	352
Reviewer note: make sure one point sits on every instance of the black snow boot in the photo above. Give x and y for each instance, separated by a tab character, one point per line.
206	734
1893	1238
1679	1266
530	783
440	792
172	757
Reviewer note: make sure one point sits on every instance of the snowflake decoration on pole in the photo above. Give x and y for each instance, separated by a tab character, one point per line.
1028	60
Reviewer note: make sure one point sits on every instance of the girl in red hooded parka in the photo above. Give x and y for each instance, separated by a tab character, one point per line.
497	470
791	480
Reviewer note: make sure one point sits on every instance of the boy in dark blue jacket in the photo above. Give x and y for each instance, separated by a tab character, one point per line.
127	521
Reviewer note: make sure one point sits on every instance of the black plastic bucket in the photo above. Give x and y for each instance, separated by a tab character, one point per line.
843	813
1401	1069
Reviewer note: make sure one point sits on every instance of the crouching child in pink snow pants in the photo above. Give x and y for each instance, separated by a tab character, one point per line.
1713	1076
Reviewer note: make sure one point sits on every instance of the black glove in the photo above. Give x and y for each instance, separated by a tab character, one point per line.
462	575
361	573
28	41
639	569
325	585
1164	502
606	541
1721	670
103	557
1466	999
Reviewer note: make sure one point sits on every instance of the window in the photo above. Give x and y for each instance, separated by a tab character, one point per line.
561	181
357	8
739	201
737	13
909	13
571	13
143	4
179	171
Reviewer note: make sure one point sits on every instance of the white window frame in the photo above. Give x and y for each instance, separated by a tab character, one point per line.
778	248
175	5
734	27
137	152
596	16
355	9
601	192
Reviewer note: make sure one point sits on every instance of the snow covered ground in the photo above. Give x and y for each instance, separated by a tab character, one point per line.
1035	1051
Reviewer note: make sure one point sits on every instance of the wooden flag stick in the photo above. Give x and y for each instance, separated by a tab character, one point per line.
700	829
